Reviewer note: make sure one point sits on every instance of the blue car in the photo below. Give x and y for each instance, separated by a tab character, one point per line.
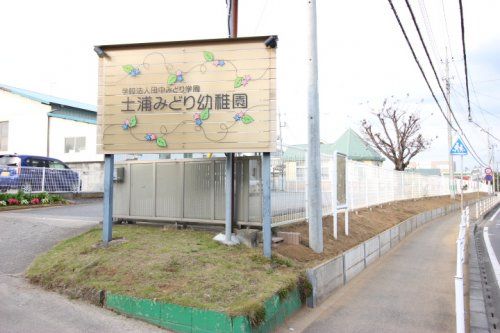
37	173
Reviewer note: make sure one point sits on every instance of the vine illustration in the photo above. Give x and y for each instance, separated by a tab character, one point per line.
177	76
198	119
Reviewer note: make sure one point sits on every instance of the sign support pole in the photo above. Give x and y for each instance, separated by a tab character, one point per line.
107	222
229	197
266	203
230	215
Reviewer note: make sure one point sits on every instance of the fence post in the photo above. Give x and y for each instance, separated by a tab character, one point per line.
346	221
334	193
43	179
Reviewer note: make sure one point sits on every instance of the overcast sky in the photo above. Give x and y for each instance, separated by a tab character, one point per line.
363	58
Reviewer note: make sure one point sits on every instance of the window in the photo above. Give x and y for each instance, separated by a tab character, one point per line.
188	155
4	135
36	162
56	165
74	144
164	156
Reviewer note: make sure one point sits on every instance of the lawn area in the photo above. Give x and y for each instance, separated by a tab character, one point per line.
183	267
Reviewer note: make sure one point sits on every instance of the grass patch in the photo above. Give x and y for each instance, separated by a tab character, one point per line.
183	267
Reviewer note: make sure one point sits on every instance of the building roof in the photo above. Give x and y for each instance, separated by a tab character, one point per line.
47	99
349	143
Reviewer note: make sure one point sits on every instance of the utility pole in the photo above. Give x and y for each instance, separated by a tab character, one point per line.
450	156
491	147
313	140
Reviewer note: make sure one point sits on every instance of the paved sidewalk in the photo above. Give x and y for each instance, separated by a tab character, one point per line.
27	308
410	289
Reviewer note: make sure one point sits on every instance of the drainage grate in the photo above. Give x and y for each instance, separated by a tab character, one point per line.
490	291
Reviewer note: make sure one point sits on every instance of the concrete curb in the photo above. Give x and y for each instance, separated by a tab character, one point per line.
188	319
334	273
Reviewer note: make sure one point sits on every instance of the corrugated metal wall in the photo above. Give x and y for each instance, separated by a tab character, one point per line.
187	190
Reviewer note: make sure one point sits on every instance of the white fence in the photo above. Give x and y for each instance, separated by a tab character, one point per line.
367	185
32	179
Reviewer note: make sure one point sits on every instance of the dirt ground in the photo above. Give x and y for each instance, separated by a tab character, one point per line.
363	224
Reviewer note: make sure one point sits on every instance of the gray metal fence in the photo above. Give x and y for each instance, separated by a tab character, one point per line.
186	190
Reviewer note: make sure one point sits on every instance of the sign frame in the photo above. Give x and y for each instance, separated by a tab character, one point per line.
201	131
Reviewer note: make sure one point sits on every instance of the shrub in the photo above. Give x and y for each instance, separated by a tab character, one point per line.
25	202
12	201
3	203
35	201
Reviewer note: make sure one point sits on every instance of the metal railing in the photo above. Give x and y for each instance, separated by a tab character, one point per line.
482	206
32	179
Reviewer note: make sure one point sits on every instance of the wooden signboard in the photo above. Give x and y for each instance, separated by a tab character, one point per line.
197	96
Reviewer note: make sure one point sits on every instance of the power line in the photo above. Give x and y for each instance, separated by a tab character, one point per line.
428	28
418	63
474	154
465	56
437	78
430	61
485	131
477	105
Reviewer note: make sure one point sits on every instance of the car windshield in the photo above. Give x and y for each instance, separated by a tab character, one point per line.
10	160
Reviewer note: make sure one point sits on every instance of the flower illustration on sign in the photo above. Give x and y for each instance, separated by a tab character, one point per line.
243	117
131	70
177	77
150	137
209	57
242	81
132	122
199	117
246	79
218	63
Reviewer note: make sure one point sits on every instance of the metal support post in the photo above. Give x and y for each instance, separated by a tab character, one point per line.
107	221
314	159
346	221
266	203
228	186
43	179
334	194
461	182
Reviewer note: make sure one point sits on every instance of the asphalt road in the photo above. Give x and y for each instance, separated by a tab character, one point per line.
410	289
493	224
26	308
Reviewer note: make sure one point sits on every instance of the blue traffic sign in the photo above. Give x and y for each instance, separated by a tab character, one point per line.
459	148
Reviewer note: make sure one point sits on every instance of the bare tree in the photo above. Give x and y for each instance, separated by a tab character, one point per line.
398	137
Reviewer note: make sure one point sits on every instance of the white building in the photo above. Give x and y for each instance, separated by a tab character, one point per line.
36	124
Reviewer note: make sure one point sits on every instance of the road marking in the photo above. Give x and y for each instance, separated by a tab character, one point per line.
494	215
491	254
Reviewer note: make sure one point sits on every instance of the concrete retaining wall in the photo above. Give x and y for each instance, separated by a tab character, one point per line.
354	261
332	274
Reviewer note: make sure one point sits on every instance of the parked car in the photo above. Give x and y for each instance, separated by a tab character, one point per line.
37	173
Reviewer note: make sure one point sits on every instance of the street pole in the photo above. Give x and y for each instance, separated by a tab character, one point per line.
229	178
461	182
313	143
450	156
